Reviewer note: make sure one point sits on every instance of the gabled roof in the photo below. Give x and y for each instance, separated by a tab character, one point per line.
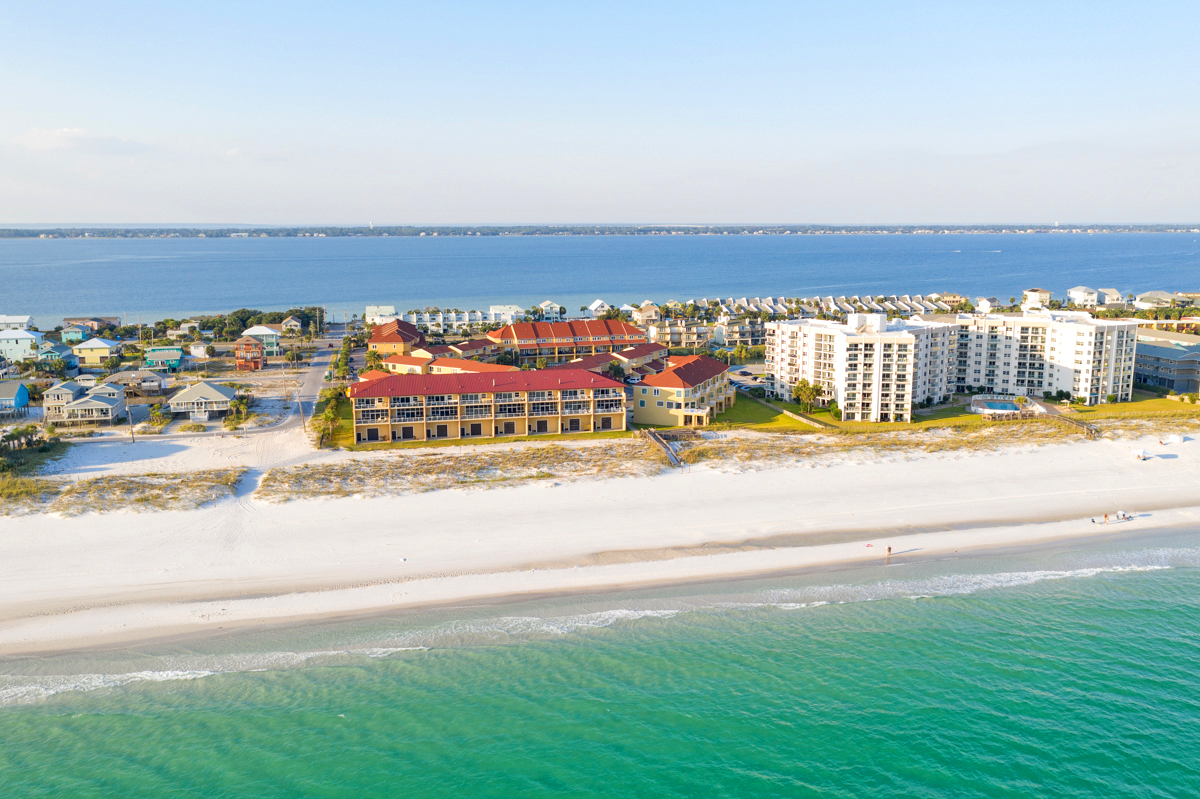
1083	288
94	400
593	363
470	366
408	360
16	333
248	340
134	376
543	380
687	371
641	350
205	391
263	330
397	330
372	374
10	388
96	344
583	327
434	349
473	344
66	385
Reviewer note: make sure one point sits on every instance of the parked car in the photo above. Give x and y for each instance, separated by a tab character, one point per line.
744	373
632	379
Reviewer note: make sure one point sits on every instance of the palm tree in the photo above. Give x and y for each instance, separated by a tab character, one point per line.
806	394
374	359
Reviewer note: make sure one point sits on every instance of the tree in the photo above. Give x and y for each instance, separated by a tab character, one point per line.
540	363
112	364
806	394
210	351
374	359
616	370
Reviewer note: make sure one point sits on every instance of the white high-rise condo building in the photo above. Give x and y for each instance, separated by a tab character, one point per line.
873	368
1045	351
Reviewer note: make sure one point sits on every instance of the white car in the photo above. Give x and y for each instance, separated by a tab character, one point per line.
632	379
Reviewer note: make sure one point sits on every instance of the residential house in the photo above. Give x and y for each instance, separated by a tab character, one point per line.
20	345
140	383
95	351
198	350
75	333
1160	299
427	407
647	313
1083	296
1167	359
186	329
49	352
14	399
690	392
987	304
506	313
407	364
93	323
249	354
379	314
1035	298
168	359
598	308
292	326
69	403
269	336
15	322
1111	298
395	338
559	342
552	310
202	399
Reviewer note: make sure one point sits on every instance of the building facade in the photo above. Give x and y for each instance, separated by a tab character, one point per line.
1045	351
690	392
874	369
411	407
20	345
1167	360
560	342
249	354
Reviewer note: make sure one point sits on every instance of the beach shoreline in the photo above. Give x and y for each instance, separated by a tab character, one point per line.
96	580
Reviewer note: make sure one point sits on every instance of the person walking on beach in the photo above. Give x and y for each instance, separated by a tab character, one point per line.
1106	518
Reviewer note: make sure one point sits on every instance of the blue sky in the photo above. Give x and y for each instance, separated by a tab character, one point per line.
609	113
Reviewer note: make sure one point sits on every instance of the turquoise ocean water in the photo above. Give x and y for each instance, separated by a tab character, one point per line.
174	278
1065	671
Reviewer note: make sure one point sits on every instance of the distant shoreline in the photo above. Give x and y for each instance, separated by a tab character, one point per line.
406	231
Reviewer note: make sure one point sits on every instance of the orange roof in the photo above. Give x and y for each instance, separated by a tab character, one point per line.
373	374
546	380
522	331
397	330
407	360
686	371
470	366
473	344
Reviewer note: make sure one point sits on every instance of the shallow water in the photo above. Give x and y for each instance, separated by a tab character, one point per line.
1063	671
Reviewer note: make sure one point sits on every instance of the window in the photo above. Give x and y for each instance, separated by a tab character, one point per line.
659	403
643	391
641	403
656	394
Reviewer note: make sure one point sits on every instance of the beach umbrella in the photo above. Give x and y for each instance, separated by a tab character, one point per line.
1142	453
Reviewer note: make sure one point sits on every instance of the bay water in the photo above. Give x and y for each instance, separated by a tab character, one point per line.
1066	671
176	278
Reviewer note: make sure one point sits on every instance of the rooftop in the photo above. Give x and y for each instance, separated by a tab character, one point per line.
686	371
422	385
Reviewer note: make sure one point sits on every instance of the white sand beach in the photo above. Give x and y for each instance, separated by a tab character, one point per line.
98	579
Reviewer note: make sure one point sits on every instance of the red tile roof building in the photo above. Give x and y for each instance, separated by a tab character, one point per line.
561	342
644	359
395	337
692	390
435	406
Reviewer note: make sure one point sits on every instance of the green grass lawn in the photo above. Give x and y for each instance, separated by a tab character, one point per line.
748	413
1142	404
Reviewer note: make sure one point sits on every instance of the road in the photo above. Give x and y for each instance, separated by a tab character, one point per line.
310	389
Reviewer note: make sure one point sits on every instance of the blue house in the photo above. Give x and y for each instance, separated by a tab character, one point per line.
75	333
14	399
49	351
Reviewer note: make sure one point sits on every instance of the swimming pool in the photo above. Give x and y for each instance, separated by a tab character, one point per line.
1001	406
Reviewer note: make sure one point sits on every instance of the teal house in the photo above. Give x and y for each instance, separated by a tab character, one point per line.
167	359
75	333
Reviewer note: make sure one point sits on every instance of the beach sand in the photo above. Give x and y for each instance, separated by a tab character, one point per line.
123	577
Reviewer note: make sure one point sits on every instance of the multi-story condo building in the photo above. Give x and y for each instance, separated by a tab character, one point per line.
873	368
1167	359
1045	351
679	333
559	342
729	332
414	407
689	392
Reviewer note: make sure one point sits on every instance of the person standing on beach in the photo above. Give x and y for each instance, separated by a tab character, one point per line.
1106	518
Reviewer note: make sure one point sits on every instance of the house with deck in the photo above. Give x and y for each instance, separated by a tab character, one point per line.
69	403
15	322
14	399
203	399
95	351
249	354
20	345
269	336
690	392
140	383
164	359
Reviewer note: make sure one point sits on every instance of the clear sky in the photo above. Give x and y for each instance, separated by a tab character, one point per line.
560	112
